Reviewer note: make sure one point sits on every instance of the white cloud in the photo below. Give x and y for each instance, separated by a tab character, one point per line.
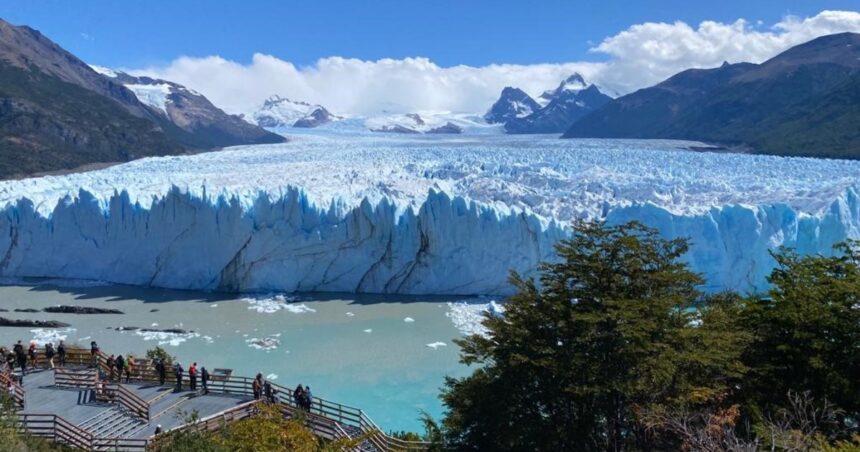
647	53
639	56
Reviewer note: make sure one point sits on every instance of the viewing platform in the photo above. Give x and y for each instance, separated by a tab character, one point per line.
75	405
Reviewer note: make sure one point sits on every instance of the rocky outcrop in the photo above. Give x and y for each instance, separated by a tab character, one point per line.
32	323
448	127
80	310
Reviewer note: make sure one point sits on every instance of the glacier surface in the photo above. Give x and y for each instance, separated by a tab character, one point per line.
413	214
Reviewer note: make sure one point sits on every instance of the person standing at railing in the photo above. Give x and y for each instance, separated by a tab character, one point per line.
308	398
94	353
204	377
21	357
161	369
129	364
61	353
112	364
257	386
31	353
192	376
178	370
268	391
119	363
49	353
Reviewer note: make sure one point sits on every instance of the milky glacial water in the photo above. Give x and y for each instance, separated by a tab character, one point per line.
386	355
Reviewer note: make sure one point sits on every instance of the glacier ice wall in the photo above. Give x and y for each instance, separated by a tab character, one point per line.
446	246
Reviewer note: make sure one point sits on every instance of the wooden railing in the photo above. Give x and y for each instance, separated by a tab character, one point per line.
17	393
210	423
133	403
75	378
59	430
327	419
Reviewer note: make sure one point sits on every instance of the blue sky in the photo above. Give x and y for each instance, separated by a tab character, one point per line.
476	33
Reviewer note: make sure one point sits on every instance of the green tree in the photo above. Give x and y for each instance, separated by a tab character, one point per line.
160	353
611	332
807	334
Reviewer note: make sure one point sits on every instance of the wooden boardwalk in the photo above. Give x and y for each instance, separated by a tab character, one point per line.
73	406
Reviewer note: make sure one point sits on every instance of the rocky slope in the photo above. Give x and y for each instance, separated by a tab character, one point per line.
206	125
57	113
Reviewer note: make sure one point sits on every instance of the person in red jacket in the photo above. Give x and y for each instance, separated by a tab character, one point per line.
192	376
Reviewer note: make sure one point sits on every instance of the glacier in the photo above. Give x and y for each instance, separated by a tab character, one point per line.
414	215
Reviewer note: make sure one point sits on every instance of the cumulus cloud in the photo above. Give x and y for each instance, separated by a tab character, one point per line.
639	56
647	53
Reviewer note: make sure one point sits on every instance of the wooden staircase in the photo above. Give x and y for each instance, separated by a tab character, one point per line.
116	422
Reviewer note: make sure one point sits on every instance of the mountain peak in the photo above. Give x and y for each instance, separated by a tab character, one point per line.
574	82
513	103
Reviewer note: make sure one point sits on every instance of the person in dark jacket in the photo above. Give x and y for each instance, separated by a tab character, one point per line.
21	357
257	386
178	370
161	369
94	353
204	374
299	396
49	354
119	363
308	398
61	353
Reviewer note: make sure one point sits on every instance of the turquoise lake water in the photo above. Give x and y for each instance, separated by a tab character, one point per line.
386	355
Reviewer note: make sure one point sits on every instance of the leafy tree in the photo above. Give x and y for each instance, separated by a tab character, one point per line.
807	335
611	332
160	353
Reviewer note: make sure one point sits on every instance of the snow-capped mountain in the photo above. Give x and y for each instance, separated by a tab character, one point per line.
411	123
204	124
513	103
571	84
558	108
278	111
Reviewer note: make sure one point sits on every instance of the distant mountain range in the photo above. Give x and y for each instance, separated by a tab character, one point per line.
57	113
554	113
804	101
278	111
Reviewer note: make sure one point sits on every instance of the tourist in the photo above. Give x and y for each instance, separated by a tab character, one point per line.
178	370
21	357
49	353
112	362
299	395
10	389
192	376
94	353
308	398
61	353
257	386
267	390
204	374
129	364
161	369
119	362
31	352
